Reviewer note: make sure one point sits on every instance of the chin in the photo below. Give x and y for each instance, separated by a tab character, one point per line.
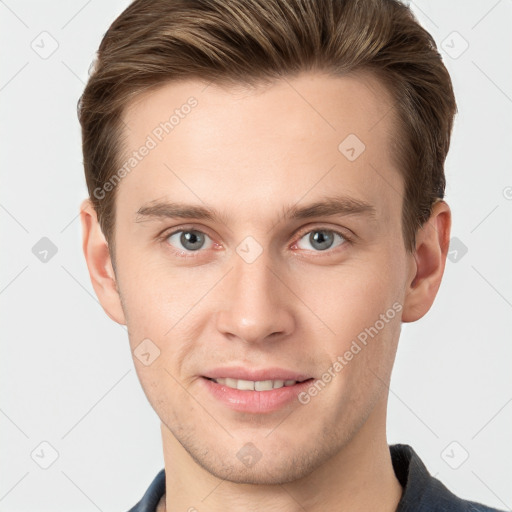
273	471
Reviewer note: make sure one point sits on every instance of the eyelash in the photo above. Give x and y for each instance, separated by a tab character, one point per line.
192	254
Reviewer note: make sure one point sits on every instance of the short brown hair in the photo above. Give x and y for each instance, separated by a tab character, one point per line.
154	42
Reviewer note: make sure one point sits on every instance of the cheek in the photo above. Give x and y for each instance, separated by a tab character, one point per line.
351	295
360	302
165	314
155	295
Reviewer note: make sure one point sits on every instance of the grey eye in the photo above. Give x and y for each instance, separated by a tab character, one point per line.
322	239
191	239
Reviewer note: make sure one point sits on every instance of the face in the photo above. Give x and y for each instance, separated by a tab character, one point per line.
232	262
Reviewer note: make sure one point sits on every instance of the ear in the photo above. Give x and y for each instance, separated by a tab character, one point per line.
427	263
97	256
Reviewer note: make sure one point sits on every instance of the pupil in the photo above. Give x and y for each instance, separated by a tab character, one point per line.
189	238
319	239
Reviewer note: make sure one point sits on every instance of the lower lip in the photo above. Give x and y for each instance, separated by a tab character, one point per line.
255	401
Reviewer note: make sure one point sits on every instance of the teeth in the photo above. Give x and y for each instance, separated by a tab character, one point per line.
251	385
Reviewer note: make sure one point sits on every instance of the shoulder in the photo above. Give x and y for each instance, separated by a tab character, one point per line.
422	492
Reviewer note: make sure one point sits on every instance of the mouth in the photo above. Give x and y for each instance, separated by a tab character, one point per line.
258	385
256	396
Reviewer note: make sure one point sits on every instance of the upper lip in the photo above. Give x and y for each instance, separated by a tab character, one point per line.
241	373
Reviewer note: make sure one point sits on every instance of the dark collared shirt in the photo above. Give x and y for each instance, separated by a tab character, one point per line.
421	491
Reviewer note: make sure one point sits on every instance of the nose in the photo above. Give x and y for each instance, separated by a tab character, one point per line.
256	302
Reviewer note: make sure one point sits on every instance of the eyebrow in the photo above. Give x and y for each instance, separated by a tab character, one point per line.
328	206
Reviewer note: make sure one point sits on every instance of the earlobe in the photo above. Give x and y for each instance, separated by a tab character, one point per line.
427	263
99	264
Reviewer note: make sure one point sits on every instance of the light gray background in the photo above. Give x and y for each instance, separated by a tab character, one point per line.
66	374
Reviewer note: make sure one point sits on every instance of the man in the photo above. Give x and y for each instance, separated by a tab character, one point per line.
266	208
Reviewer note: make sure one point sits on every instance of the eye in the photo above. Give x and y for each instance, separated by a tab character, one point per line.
188	239
322	239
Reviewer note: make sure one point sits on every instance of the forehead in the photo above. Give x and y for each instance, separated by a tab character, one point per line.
255	147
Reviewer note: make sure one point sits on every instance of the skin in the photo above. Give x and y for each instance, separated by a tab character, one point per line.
250	153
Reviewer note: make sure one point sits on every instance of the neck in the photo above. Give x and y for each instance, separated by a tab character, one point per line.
358	477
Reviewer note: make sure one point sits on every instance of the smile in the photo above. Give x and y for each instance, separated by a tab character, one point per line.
251	385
